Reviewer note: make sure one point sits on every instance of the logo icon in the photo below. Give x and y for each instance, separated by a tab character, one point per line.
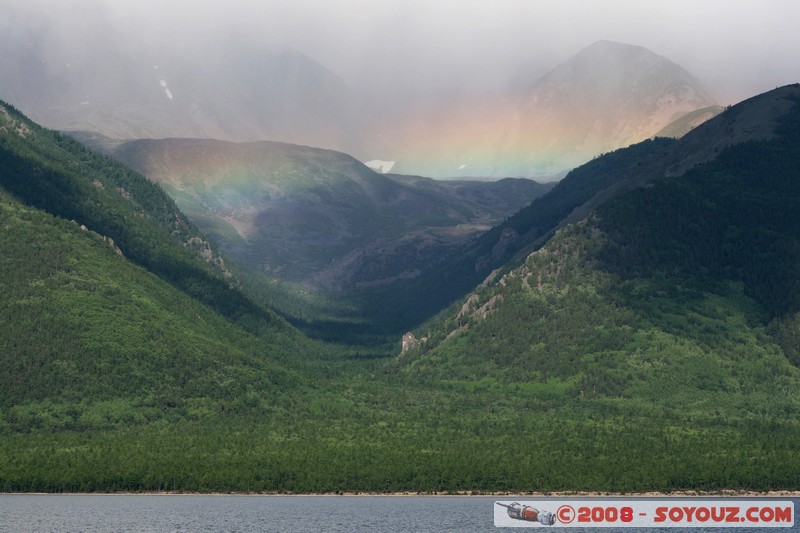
565	514
518	511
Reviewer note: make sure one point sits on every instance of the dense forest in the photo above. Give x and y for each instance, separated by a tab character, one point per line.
651	346
677	299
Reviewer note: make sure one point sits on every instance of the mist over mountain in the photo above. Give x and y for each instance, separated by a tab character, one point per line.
651	344
237	91
606	96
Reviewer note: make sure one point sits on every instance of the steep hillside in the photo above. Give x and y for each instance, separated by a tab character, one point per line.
589	185
684	276
114	309
91	341
52	172
678	302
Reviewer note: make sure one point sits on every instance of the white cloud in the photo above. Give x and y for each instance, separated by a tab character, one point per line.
737	47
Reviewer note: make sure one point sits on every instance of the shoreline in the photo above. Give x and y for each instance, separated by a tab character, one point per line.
729	493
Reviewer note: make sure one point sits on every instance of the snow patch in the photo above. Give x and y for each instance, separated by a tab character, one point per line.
381	166
163	84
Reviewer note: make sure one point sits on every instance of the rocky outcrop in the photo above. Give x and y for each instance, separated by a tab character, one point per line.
409	343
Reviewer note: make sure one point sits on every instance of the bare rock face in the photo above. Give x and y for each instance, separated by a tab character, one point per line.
409	342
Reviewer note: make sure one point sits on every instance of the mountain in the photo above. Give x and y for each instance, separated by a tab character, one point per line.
607	96
678	297
593	183
724	231
238	91
317	216
116	310
646	343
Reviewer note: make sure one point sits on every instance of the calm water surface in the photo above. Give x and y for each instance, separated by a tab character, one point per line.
150	513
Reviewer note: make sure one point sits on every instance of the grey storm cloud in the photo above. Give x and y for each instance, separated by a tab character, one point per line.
737	48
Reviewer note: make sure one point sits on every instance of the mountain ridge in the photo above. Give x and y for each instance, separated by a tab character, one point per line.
666	367
282	95
753	119
717	138
318	216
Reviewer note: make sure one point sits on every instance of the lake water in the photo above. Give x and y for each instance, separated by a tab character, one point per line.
214	513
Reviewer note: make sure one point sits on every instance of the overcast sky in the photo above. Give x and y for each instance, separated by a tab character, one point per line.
736	48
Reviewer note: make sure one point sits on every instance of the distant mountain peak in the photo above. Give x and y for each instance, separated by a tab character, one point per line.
606	96
605	44
606	65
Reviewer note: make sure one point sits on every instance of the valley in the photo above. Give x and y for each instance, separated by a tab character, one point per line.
193	314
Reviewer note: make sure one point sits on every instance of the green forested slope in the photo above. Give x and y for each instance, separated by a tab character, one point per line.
113	308
50	171
677	304
619	357
91	341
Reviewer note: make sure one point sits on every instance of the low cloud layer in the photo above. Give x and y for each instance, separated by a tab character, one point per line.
430	50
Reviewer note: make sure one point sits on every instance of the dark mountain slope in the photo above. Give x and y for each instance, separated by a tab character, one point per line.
316	216
52	172
708	259
588	186
675	305
734	218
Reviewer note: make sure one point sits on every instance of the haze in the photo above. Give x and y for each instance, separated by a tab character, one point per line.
401	51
